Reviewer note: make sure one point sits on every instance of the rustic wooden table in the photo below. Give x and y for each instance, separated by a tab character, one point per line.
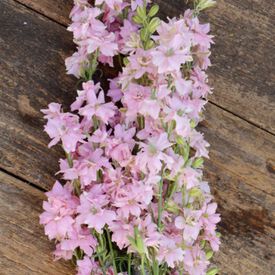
240	125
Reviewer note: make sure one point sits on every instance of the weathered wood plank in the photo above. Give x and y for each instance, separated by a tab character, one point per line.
242	73
32	52
23	247
56	10
244	190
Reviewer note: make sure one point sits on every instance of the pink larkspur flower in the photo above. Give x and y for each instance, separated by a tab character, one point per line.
132	199
92	211
96	106
151	155
169	252
195	261
62	126
190	224
59	211
88	266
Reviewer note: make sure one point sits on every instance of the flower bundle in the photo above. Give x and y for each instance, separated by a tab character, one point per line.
134	201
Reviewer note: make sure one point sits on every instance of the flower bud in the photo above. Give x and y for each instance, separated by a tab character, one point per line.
125	61
198	163
172	207
137	19
212	271
209	254
180	140
153	11
149	44
144	34
195	193
141	12
205	4
153	25
193	124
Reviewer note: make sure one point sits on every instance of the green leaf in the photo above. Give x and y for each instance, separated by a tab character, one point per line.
193	124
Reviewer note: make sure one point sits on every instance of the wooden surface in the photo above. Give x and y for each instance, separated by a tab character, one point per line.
23	247
240	126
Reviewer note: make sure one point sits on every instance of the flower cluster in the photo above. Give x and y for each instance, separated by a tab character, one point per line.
134	201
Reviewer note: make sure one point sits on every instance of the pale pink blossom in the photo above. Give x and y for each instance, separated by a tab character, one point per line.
86	170
78	62
88	266
190	224
151	157
169	252
169	59
91	209
195	261
132	199
96	106
64	127
58	211
150	108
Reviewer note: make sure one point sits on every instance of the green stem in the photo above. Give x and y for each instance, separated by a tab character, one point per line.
129	263
76	183
100	262
94	64
111	251
69	159
88	75
99	251
142	265
165	270
160	203
155	265
170	195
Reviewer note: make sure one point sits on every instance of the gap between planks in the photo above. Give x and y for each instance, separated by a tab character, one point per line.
41	13
31	184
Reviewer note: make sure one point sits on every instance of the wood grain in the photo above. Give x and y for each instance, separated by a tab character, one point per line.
32	53
241	169
244	189
57	10
243	54
24	250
